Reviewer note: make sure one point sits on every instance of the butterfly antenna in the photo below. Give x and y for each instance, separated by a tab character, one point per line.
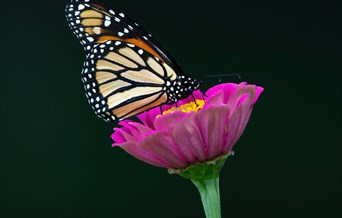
223	75
219	76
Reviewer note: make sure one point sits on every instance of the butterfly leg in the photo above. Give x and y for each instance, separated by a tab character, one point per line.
203	95
193	97
161	110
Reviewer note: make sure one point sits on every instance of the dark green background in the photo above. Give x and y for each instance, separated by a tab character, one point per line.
56	155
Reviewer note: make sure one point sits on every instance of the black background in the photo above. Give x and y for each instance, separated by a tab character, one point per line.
56	155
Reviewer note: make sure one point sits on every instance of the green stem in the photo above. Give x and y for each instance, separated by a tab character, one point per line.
206	178
210	195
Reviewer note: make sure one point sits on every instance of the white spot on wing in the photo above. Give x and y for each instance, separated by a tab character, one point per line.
81	7
97	30
107	23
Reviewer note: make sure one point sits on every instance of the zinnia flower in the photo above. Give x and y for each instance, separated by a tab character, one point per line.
193	132
193	139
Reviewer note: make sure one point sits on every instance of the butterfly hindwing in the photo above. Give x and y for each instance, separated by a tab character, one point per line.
122	80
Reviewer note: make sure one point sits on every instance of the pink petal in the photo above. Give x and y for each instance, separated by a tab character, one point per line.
227	88
148	117
136	129
118	137
212	122
241	92
130	131
259	90
217	98
122	135
159	144
237	123
189	139
169	120
142	154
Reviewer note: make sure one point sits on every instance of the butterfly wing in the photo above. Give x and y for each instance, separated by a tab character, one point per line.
95	22
126	70
122	80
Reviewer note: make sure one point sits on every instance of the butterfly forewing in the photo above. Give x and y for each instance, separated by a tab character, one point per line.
94	22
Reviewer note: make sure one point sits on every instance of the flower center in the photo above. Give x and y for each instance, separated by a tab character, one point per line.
192	106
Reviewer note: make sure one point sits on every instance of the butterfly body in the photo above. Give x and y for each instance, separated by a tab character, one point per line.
126	70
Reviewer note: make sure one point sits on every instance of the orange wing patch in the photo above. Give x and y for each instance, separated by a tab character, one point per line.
91	14
137	42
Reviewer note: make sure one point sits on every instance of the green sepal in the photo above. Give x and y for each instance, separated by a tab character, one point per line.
202	171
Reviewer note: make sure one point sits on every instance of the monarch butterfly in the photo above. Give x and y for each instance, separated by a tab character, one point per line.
126	71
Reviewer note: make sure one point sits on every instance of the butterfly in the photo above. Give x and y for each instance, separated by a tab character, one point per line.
126	70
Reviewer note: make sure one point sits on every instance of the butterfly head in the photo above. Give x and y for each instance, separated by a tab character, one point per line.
181	88
195	84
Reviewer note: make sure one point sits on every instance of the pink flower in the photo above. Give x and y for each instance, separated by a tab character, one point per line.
193	133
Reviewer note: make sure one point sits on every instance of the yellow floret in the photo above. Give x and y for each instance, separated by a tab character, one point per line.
192	106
